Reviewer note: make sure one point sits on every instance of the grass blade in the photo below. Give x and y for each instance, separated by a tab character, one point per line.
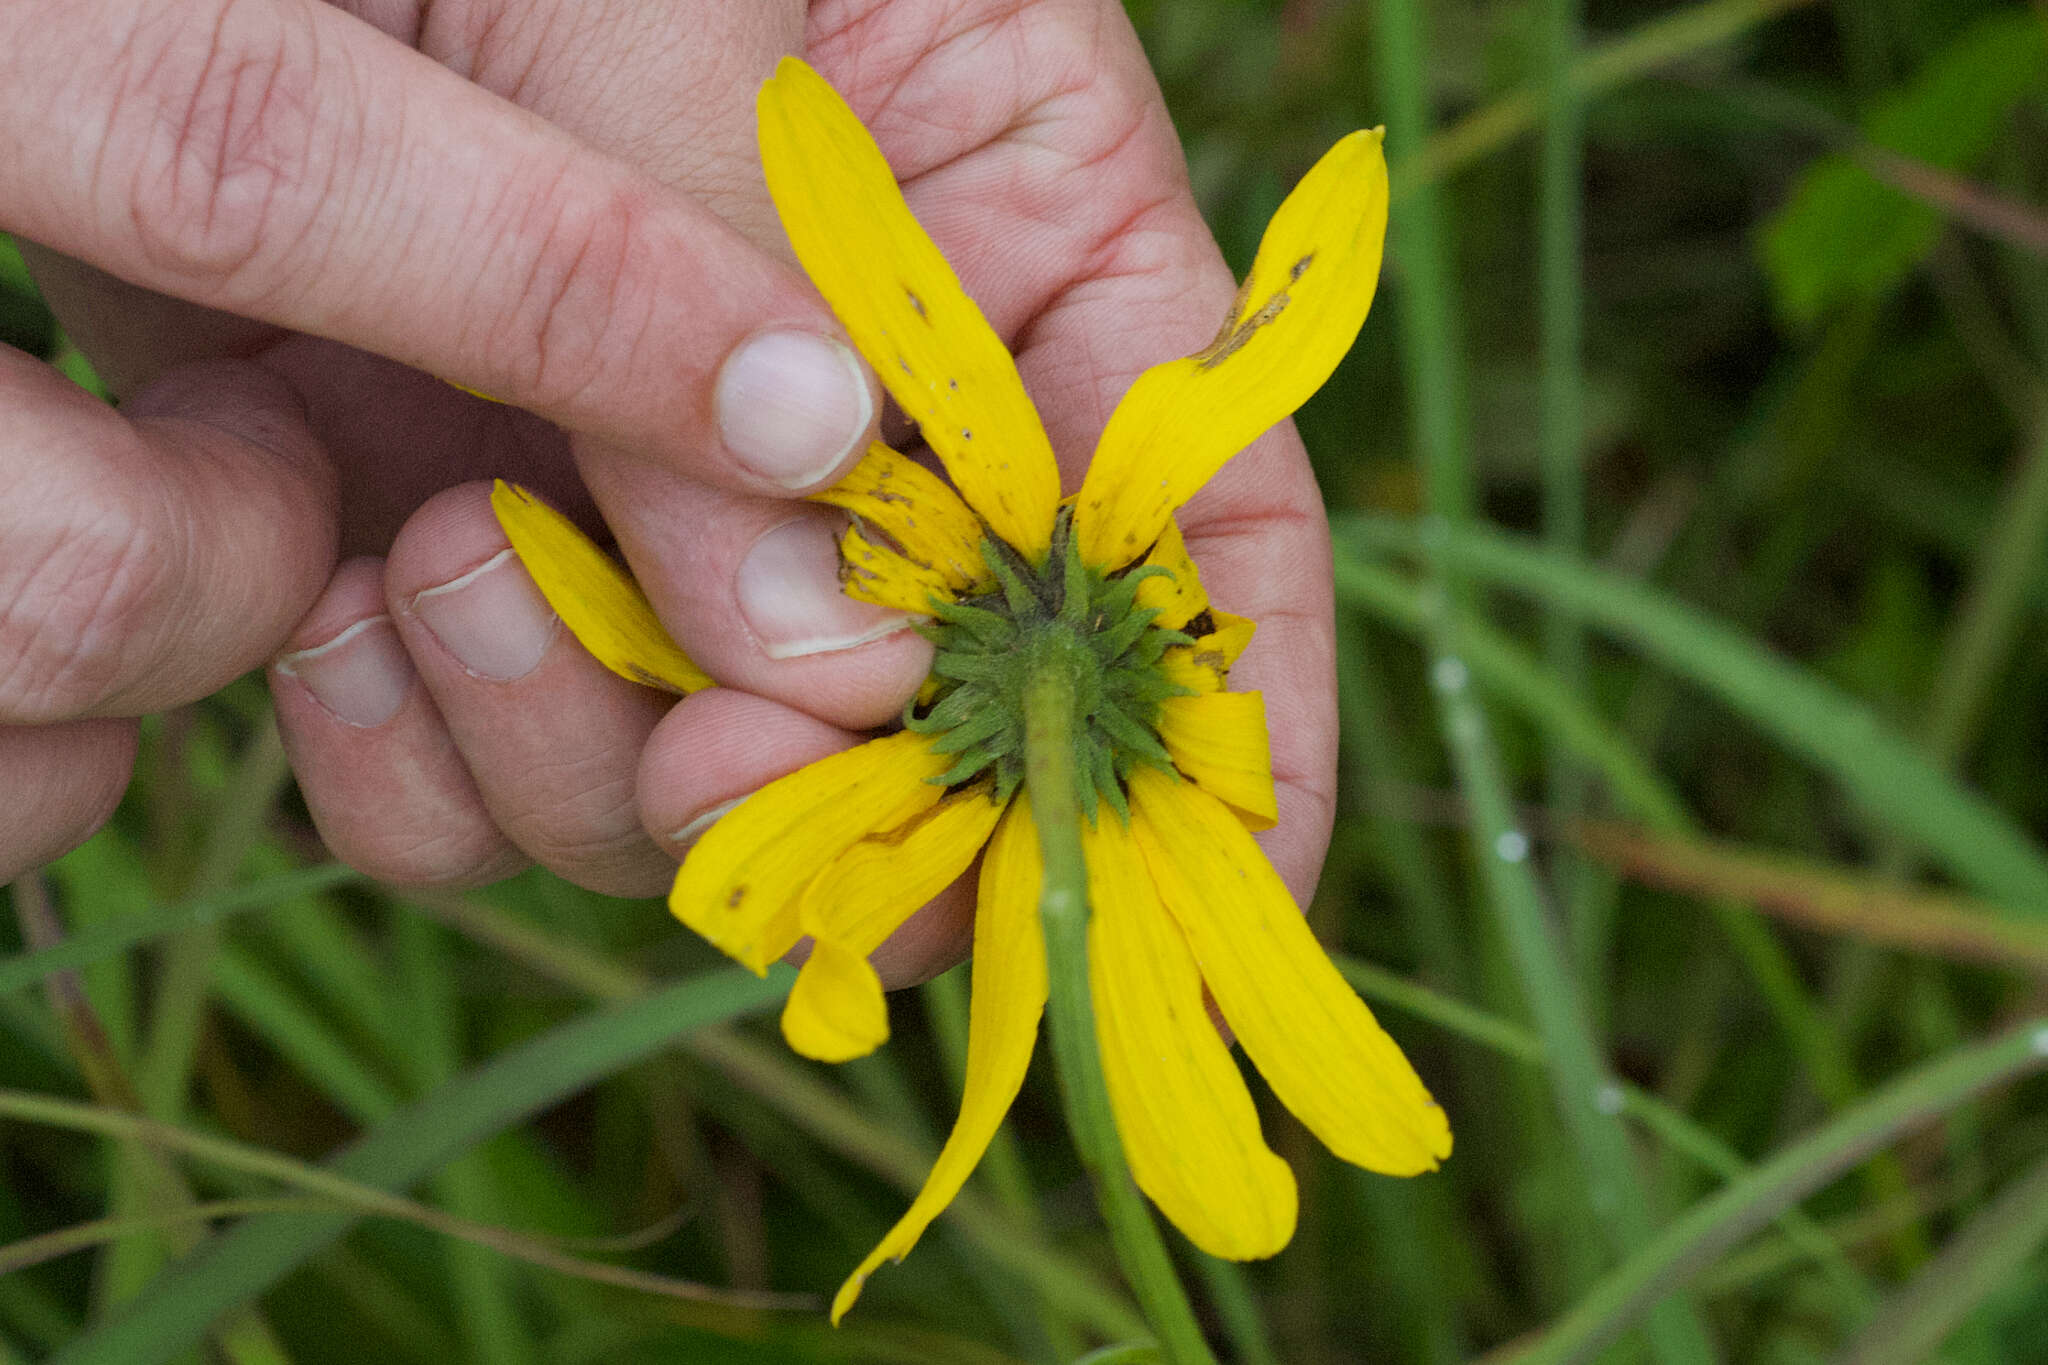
1979	1260
104	940
1716	1224
1887	775
172	1312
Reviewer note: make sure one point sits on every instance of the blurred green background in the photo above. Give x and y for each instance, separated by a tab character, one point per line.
1690	491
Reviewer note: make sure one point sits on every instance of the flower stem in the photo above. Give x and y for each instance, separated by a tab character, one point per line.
1051	778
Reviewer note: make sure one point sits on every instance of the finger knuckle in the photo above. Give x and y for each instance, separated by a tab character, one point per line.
579	305
76	594
443	855
227	159
587	826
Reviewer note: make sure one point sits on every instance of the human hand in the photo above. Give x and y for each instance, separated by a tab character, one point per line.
147	558
1042	160
1061	196
254	175
1033	145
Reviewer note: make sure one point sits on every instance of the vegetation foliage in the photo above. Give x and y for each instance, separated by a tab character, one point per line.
1690	496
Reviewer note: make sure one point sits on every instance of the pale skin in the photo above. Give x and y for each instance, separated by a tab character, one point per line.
278	225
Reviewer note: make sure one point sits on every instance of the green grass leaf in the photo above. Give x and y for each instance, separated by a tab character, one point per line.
173	1312
1973	840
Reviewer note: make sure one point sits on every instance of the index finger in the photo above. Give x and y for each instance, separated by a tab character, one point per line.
287	162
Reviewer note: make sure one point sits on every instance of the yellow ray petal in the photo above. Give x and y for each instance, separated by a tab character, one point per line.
1189	1129
1002	1026
835	1012
739	886
915	508
1205	665
904	306
1314	1040
1180	598
869	890
875	573
1219	740
1296	316
1231	635
595	597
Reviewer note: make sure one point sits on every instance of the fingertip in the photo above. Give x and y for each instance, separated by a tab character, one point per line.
931	941
345	657
521	698
64	782
380	774
750	589
716	748
795	408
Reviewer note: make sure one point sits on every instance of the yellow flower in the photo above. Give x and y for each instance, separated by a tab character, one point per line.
1176	768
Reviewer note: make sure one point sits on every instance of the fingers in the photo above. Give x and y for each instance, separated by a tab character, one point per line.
292	164
379	771
446	728
718	746
750	589
62	782
149	557
677	94
551	738
1093	257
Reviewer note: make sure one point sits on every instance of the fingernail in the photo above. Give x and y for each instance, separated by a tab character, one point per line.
789	594
361	676
791	406
492	619
692	832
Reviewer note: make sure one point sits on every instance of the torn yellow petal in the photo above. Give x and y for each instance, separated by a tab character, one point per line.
740	884
593	594
876	573
1205	665
1219	739
904	306
1296	316
869	890
1177	593
835	1012
1002	1027
1230	635
916	510
1312	1038
1187	1122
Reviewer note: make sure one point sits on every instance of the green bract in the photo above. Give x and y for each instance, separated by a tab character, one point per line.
1066	615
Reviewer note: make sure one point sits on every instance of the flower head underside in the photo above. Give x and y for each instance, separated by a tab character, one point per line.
1176	768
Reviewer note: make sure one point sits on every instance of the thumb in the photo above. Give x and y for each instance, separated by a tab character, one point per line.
149	556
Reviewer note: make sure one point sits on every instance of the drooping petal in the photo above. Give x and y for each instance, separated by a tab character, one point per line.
1205	665
876	573
1317	1044
870	889
1219	740
904	306
1002	1027
593	594
915	508
739	886
1188	1125
1178	593
835	1012
1296	316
